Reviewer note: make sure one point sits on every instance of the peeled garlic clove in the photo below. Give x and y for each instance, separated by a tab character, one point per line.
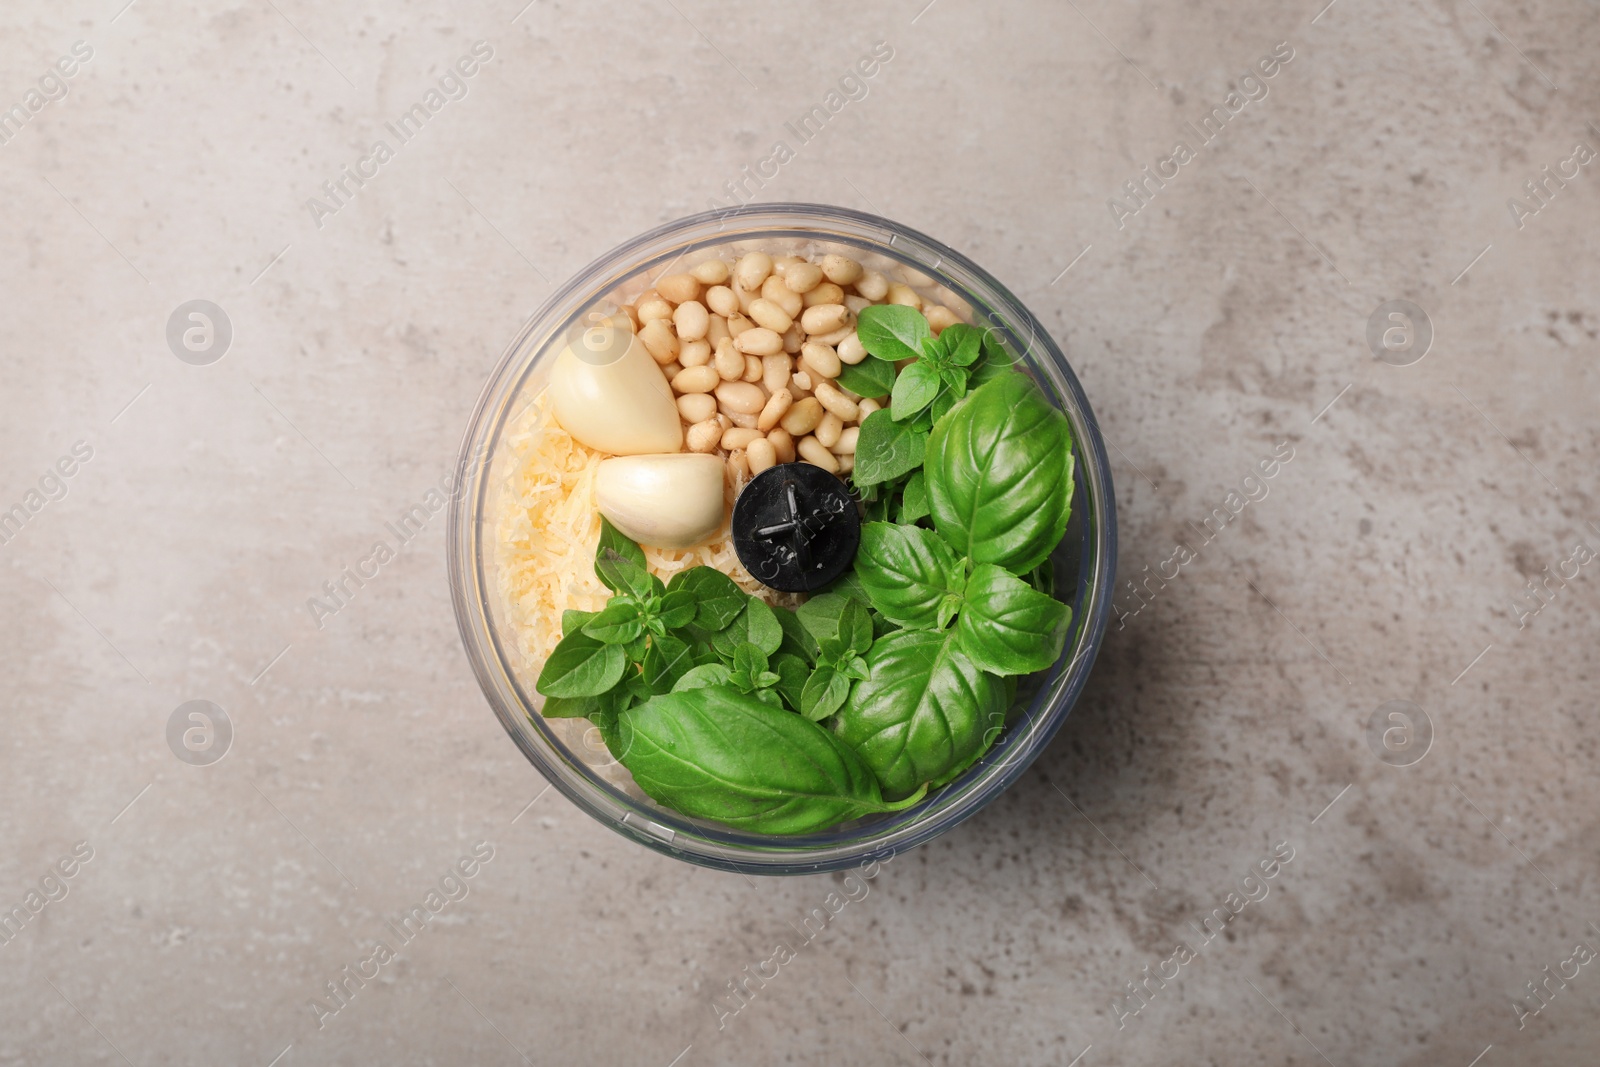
611	395
668	501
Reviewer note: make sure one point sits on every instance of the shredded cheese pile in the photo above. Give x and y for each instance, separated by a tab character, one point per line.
547	527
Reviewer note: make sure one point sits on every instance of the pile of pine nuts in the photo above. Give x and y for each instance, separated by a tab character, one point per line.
752	352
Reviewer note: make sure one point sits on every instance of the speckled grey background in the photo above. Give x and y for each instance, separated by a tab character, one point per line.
1221	320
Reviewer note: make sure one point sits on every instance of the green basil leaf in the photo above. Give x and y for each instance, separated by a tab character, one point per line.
667	660
923	709
914	389
906	572
718	754
797	640
965	343
756	624
570	707
914	499
769	696
1007	626
947	399
678	608
718	600
949	607
618	623
825	693
820	615
999	485
702	677
847	584
855	626
573	620
580	666
750	661
892	331
869	378
616	541
792	672
621	574
887	449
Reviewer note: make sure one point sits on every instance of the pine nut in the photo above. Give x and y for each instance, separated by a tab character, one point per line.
803	417
775	408
904	294
752	269
697	407
740	438
746	298
720	298
783	263
834	337
704	436
692	320
752	369
793	339
856	303
813	452
766	313
824	293
828	430
837	403
775	371
800	379
840	269
633	316
739	419
659	340
695	380
654	309
873	285
851	350
867	407
775	290
824	318
678	288
846	445
782	444
724	422
740	396
760	454
695	353
728	362
939	317
670	369
847	463
717	330
738	324
711	272
758	341
739	467
802	277
820	360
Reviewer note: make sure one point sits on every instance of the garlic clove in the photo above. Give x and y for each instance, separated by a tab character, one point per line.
668	501
616	403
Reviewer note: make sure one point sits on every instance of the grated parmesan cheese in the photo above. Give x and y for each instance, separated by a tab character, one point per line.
546	529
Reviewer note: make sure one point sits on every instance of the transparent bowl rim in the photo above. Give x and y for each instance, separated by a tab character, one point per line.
708	844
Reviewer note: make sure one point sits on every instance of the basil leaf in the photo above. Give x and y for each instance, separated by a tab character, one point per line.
792	672
999	485
611	538
702	677
667	660
914	389
769	696
887	449
756	624
963	342
892	331
869	378
847	584
942	403
855	626
718	600
718	754
914	499
906	572
678	608
580	666
749	661
573	620
618	623
1008	627
570	707
622	574
797	640
994	362
923	709
820	615
825	693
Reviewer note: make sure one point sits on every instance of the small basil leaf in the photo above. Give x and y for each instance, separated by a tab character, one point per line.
966	343
914	389
572	620
797	640
618	623
702	676
678	608
942	404
948	608
847	584
718	600
914	500
924	709
855	626
749	660
820	615
718	754
580	666
792	672
887	449
622	574
768	696
869	378
999	480
1008	627
906	572
854	667
571	707
892	331
756	624
825	693
667	660
611	538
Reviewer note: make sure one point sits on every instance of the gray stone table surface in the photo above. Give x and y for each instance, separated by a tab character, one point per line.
1217	316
